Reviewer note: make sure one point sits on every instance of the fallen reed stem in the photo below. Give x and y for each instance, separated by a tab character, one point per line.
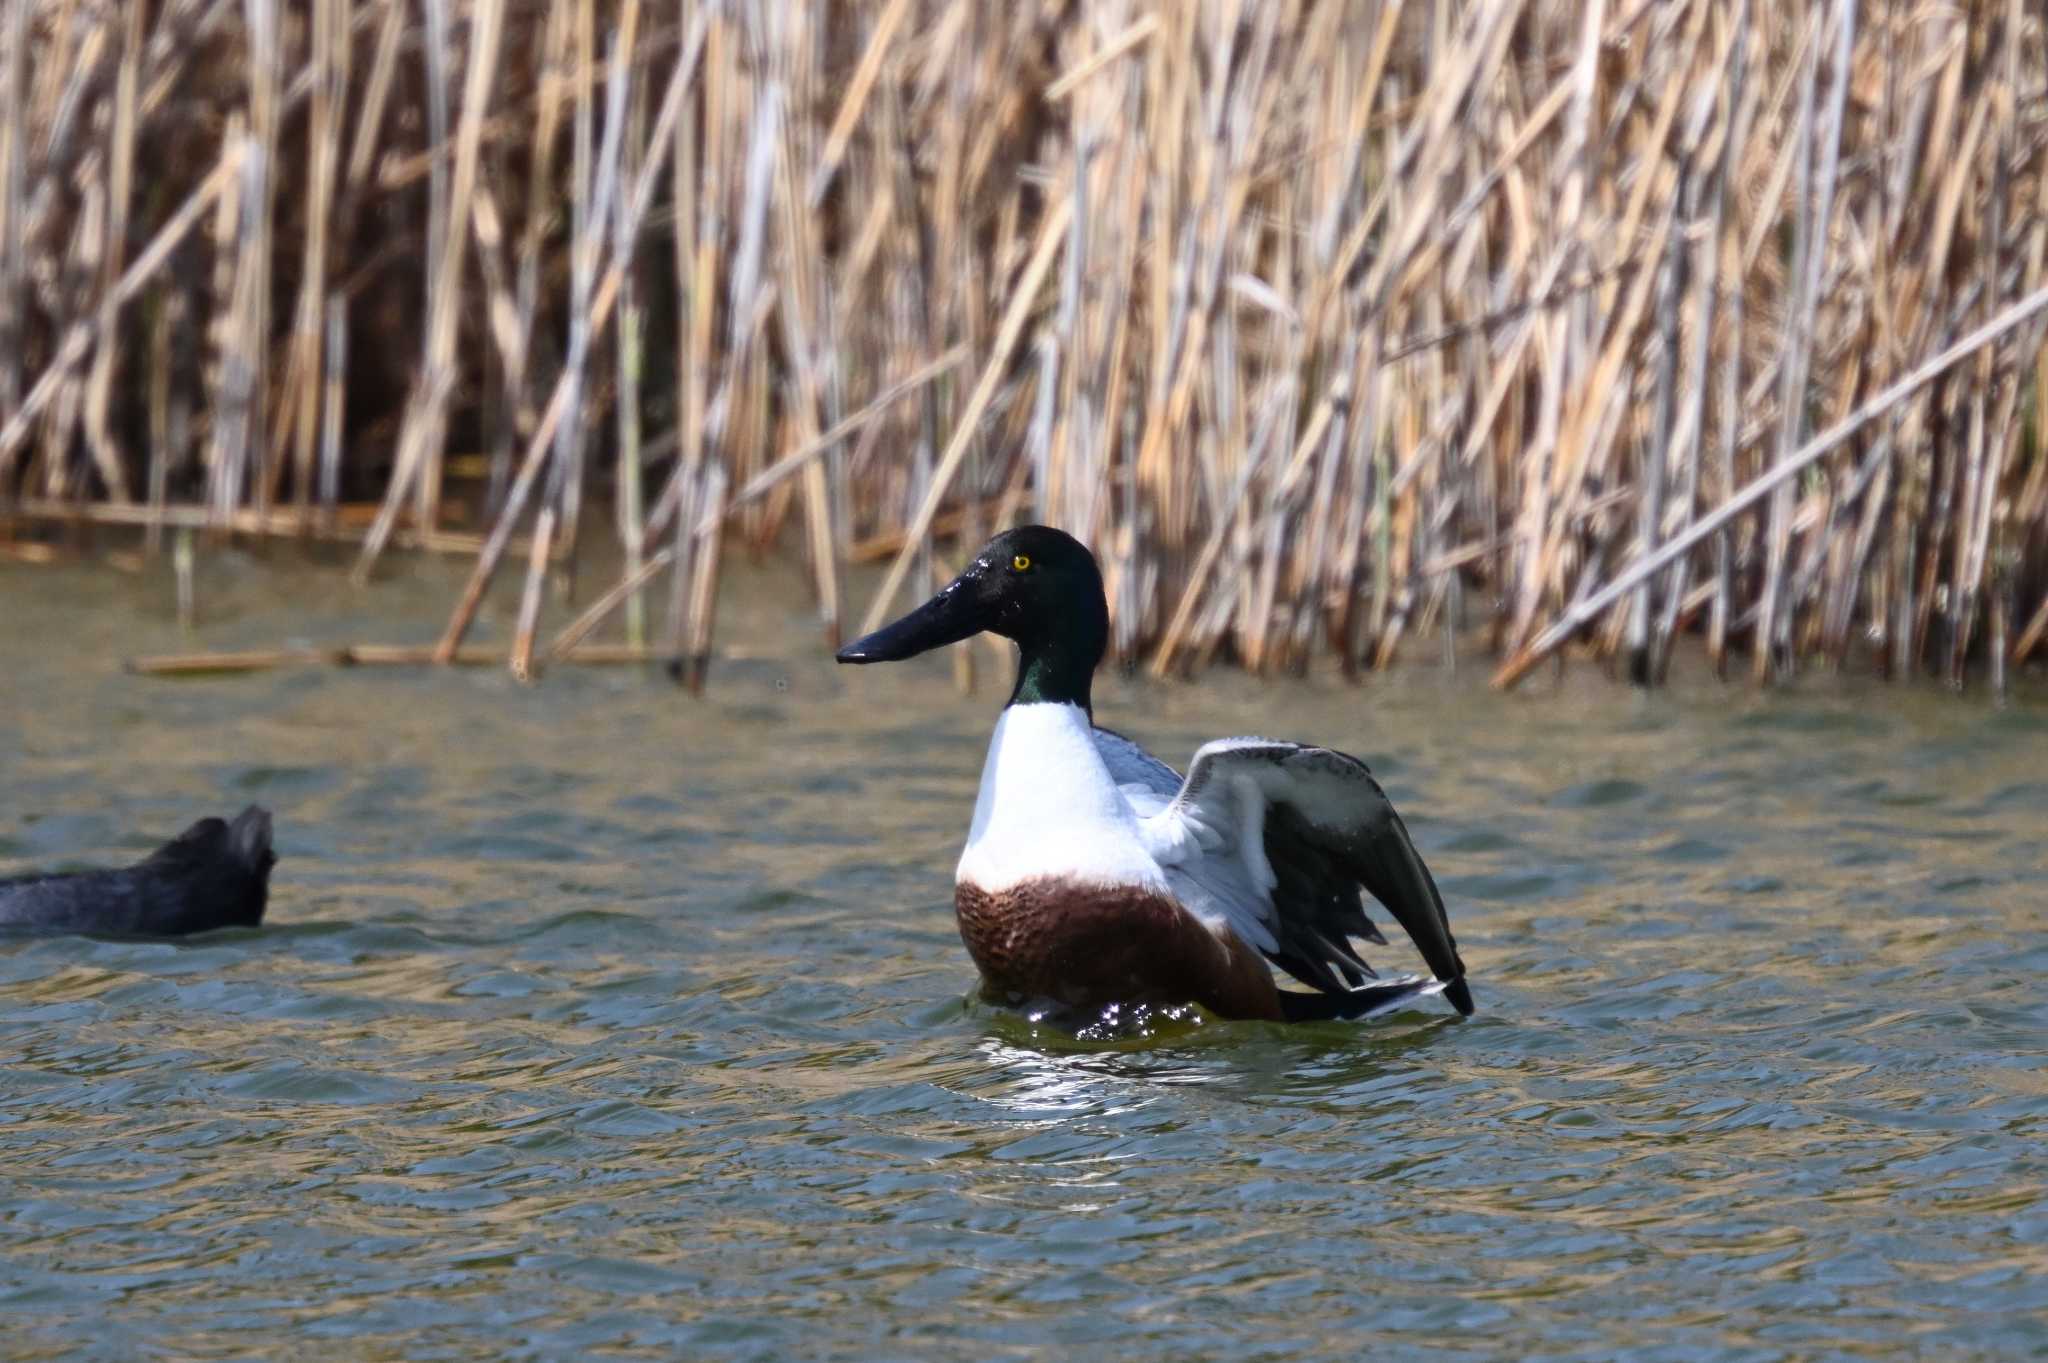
215	663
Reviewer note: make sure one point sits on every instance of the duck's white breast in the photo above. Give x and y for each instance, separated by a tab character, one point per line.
1048	808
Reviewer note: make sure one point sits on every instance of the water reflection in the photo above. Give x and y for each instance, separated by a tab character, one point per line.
581	1028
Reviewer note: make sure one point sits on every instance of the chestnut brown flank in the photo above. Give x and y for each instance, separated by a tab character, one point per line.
1087	946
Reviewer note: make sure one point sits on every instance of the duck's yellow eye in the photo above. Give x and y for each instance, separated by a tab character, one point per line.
1021	562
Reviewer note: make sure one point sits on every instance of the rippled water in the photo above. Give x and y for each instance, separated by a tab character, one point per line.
594	1021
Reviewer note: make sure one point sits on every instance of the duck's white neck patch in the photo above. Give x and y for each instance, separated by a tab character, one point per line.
1048	808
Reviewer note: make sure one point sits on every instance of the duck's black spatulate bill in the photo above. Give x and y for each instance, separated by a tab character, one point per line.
956	613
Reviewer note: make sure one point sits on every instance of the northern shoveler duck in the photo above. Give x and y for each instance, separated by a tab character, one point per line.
1094	874
212	875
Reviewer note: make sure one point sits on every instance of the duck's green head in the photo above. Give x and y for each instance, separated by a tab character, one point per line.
1035	585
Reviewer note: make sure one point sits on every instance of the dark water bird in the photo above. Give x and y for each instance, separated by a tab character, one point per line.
1095	874
212	875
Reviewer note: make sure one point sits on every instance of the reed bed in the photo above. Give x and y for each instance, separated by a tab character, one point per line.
1333	327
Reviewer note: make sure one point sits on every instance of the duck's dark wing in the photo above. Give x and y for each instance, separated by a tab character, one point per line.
1300	830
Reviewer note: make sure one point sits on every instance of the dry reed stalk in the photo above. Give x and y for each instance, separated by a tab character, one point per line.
516	417
1923	375
529	600
106	454
211	192
335	381
629	505
14	22
1014	319
2031	636
626	590
182	568
161	440
854	101
315	383
1700	263
807	453
246	454
227	381
594	207
605	295
1205	562
419	441
691	662
801	318
1520	296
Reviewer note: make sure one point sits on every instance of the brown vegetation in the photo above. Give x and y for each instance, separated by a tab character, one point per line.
1631	317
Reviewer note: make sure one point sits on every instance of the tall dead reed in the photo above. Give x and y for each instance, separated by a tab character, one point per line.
1323	323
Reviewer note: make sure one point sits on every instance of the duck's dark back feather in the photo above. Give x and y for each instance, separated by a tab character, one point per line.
213	875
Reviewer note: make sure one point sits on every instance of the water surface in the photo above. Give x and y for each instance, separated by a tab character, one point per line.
591	1020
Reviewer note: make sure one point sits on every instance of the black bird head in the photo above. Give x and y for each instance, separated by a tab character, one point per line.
1034	585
